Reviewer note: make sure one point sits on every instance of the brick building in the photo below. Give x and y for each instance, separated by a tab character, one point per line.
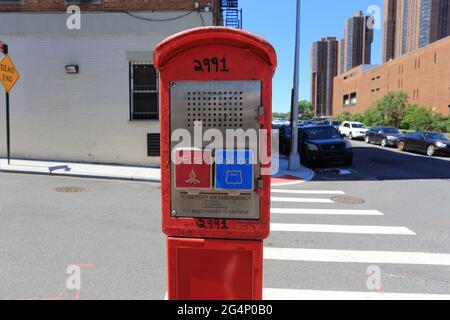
90	94
413	24
423	74
324	64
356	47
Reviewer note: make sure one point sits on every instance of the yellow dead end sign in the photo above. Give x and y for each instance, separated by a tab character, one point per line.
8	73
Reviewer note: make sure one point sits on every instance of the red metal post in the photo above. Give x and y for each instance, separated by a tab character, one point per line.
212	258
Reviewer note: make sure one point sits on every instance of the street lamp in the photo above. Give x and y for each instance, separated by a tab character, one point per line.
294	157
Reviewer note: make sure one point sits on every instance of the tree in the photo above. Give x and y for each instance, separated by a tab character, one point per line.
305	108
281	115
392	108
418	118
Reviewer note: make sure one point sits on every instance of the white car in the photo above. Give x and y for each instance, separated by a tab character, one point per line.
353	130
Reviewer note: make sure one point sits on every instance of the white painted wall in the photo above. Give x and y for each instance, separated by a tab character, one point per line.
84	117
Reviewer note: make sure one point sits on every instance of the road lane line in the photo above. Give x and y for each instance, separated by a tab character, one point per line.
297	294
326	211
334	192
356	256
331	228
304	200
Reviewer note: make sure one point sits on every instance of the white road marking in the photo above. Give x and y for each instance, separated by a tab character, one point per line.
356	256
332	228
307	191
304	200
326	211
297	294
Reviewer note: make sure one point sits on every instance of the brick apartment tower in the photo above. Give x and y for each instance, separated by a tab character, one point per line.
324	67
413	24
389	29
356	48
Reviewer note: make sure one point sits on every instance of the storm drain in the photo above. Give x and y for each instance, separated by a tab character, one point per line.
69	189
348	200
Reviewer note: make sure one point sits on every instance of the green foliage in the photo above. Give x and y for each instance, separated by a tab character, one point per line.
394	110
418	118
281	115
305	108
391	108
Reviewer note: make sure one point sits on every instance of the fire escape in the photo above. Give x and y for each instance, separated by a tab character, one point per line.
232	15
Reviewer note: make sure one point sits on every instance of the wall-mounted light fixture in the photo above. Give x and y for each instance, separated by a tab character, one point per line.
72	69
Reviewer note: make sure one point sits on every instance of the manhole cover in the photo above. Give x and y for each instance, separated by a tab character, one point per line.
348	200
69	189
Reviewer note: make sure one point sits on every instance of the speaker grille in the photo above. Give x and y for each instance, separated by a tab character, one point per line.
215	109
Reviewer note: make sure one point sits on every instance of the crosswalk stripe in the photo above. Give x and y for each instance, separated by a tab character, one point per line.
297	294
356	256
326	211
305	200
330	228
307	191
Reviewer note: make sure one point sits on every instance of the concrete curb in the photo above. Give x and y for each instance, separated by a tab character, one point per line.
80	175
81	170
109	172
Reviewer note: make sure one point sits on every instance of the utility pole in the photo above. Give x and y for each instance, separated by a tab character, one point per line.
294	157
8	77
4	50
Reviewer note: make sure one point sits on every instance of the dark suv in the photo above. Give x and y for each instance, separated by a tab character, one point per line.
324	144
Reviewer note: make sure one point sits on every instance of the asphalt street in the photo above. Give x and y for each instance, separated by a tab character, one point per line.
342	243
113	228
388	215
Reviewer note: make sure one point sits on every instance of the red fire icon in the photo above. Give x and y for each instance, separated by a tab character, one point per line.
193	174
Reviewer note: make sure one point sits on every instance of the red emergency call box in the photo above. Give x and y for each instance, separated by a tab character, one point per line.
216	117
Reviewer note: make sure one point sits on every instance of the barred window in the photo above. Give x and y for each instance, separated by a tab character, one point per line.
143	91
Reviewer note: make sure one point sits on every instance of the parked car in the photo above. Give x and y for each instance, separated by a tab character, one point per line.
353	130
422	141
302	123
384	136
323	144
285	138
331	122
278	122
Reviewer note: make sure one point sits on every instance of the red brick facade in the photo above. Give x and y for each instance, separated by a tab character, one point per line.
423	74
106	5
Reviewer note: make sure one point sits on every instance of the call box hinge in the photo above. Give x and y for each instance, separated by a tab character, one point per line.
260	186
261	115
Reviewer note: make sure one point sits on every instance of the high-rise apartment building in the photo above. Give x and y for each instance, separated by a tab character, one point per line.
413	24
356	48
341	57
389	29
324	67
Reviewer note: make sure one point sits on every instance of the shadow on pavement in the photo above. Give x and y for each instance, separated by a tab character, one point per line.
374	163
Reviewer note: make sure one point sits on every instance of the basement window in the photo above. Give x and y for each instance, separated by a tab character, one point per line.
353	99
144	95
346	100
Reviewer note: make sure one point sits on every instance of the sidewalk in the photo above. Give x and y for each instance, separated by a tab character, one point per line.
284	176
81	170
71	169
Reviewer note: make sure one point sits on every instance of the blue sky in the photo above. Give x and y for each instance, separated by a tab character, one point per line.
275	21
